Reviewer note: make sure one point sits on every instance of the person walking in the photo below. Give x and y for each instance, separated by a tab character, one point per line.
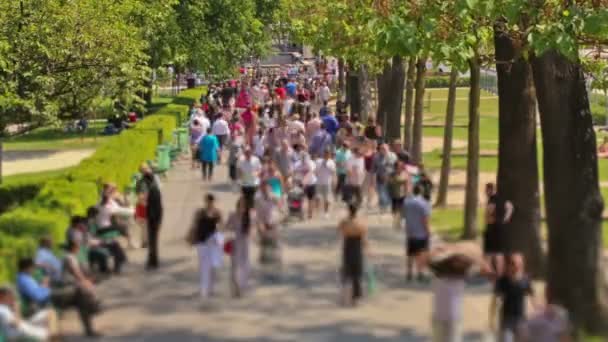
267	210
343	154
154	213
240	222
326	172
397	187
511	290
304	174
355	176
209	150
417	213
209	243
498	213
383	166
196	133
354	242
221	130
249	168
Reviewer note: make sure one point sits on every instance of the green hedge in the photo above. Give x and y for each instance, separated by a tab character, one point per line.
444	82
48	212
16	194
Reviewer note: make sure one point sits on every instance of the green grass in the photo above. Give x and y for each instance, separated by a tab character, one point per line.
34	176
449	222
55	138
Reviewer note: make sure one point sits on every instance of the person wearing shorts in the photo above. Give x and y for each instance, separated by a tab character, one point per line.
305	172
397	189
498	213
325	170
417	213
342	156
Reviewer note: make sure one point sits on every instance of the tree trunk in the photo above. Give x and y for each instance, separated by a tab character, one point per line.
573	201
341	81
409	103
517	162
448	133
365	92
382	86
353	96
416	146
472	187
395	99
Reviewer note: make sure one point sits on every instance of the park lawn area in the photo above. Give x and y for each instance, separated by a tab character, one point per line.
34	177
449	222
55	138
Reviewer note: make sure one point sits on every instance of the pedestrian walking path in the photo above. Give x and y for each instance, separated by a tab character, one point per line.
302	306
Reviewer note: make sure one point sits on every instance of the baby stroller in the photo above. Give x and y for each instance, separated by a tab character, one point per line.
295	202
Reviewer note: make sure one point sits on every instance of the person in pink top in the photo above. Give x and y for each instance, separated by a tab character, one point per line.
249	119
312	126
244	98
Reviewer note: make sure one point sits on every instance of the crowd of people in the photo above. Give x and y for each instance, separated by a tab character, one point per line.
293	156
50	281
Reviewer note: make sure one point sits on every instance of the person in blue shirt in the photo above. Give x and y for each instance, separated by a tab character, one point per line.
40	294
29	288
209	149
324	111
417	213
291	88
331	124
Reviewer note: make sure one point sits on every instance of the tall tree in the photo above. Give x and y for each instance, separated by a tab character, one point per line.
417	124
472	183
517	160
448	133
409	103
573	200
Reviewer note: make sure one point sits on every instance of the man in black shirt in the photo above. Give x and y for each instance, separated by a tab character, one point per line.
154	212
402	154
498	214
511	291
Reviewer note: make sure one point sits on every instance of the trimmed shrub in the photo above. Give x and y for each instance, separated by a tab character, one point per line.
17	194
444	82
11	250
35	222
47	207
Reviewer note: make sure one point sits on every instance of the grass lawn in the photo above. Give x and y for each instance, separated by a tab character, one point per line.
449	222
54	138
33	177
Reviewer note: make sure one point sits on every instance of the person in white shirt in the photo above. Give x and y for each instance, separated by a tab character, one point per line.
355	175
46	259
304	171
324	93
248	169
40	327
221	130
325	171
259	143
288	106
205	123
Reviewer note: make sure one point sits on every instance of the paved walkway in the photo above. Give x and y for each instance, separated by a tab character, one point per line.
164	306
18	162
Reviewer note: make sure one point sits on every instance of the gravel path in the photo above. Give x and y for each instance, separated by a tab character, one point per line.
302	306
17	162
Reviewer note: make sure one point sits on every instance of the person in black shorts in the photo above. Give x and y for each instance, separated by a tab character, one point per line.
511	290
498	213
